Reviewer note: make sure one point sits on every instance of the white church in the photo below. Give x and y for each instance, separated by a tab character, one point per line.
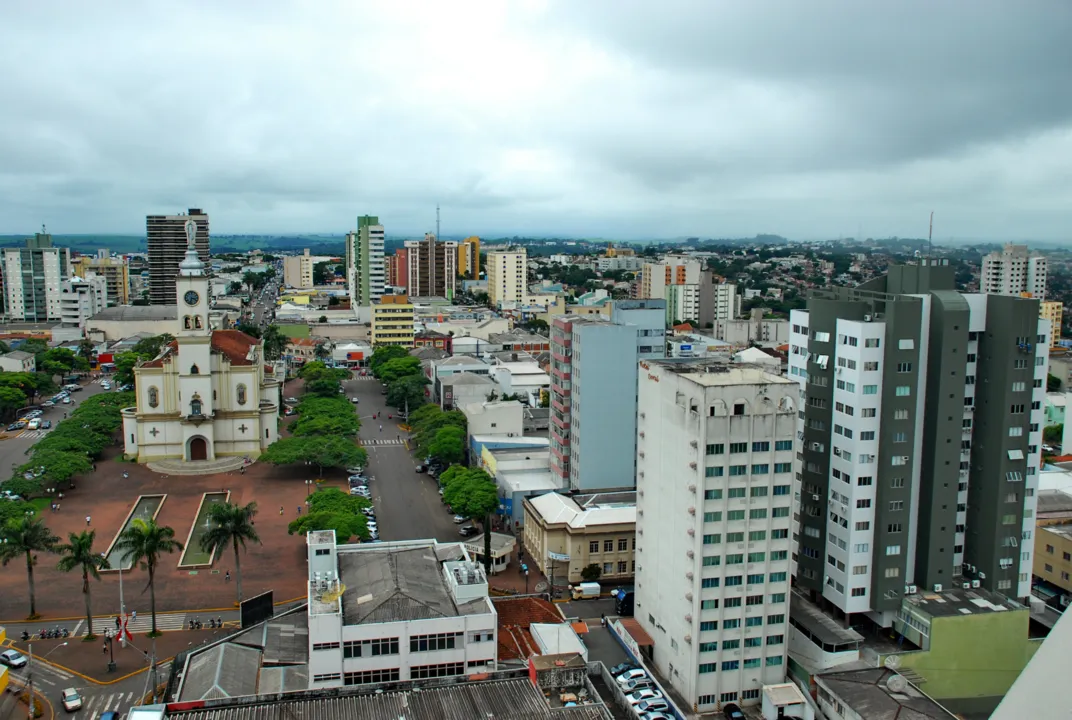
209	394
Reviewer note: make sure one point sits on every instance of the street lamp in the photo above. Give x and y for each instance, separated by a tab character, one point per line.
525	570
29	674
309	482
109	636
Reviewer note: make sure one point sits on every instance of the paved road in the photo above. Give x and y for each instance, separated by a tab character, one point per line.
408	506
14	446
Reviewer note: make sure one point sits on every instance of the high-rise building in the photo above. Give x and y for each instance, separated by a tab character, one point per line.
82	297
594	368
1054	311
113	269
469	258
33	276
432	267
166	244
298	270
715	449
507	277
392	321
365	274
397	267
921	424
1014	271
678	281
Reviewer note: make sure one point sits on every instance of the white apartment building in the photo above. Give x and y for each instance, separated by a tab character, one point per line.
298	270
507	274
920	426
82	298
727	304
715	449
388	612
682	303
365	266
32	278
1014	271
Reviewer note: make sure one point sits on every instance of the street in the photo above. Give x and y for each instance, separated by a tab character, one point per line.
14	446
408	506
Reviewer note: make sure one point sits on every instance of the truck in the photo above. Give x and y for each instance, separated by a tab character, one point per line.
623	602
585	590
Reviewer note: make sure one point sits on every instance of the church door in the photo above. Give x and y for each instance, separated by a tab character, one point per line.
198	449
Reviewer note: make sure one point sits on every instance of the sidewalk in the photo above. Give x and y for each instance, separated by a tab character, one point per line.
88	661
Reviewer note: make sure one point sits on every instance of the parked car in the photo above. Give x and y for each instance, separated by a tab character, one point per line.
638	684
354	400
355	470
361	492
290	411
459	519
357	478
421	468
467	531
643	694
13	659
109	715
657	715
654	705
67	400
71	700
369	512
14	427
48	403
630	675
732	712
8	495
622	667
291	400
46	424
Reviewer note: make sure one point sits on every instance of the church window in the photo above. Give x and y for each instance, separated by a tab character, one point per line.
241	394
197	321
194	370
195	405
154	397
186	322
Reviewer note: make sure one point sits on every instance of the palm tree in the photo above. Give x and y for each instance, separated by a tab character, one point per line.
231	524
26	536
79	553
144	541
322	350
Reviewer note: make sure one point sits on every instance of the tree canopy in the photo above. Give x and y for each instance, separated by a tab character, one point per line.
320	450
383	354
407	392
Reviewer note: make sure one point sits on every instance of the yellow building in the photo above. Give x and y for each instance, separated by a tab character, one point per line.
1054	312
619	252
582	530
392	321
507	277
113	270
469	257
1053	555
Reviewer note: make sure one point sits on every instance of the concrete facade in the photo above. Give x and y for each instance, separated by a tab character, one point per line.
1014	271
33	276
366	273
298	270
166	245
507	277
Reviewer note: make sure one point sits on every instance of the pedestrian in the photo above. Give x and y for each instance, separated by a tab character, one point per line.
299	509
88	519
133	615
219	621
280	509
381	428
104	649
227	576
602	619
118	622
243	470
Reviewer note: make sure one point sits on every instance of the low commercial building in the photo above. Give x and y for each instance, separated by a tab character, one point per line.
503	547
396	611
519	473
392	321
524	379
582	530
1053	561
18	361
351	354
496	417
874	693
460	389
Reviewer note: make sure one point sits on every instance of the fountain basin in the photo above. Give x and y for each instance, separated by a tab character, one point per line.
193	556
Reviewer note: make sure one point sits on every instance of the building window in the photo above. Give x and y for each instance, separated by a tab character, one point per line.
195	406
621	567
623	544
739	447
903	391
327	677
241	392
154	397
194	370
437	641
433	671
608	546
716	449
714	471
325	646
593	547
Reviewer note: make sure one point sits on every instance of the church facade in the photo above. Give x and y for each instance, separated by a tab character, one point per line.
209	394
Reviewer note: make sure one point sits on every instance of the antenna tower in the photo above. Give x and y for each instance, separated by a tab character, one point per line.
437	221
930	234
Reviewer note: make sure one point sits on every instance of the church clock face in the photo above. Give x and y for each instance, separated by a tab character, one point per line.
191	297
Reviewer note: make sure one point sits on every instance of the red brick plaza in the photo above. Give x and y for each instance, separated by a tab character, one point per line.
105	496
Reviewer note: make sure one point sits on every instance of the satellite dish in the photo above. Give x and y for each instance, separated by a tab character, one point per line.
892	662
896	684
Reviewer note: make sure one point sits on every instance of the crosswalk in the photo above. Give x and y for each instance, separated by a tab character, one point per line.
362	377
144	623
33	434
93	706
380	441
44	673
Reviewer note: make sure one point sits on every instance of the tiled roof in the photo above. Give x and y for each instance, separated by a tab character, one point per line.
515	615
235	344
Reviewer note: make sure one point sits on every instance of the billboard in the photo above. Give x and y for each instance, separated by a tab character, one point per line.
257	609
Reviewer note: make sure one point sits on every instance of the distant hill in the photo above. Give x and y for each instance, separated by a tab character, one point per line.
84	243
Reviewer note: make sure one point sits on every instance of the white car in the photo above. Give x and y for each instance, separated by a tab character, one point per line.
630	675
644	694
13	659
71	700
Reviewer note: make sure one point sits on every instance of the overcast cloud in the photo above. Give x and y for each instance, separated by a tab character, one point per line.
617	118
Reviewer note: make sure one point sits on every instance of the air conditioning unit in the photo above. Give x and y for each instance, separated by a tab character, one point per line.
688	576
641	433
688	618
815	498
692	465
693	443
691	532
692	511
911	590
688	639
976	583
966	586
982	576
688	596
867	318
937	587
692	488
690	554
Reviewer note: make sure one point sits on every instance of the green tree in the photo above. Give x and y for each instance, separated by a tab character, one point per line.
78	554
11	400
407	392
1053	383
274	343
345	525
59	467
473	495
124	367
249	329
234	288
322	451
449	445
150	347
323	387
232	524
338	424
1053	433
383	354
323	319
335	500
322	349
144	542
85	349
591	573
253	280
26	536
399	368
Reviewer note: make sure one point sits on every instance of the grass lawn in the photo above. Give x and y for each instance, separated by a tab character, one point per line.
294	331
41	503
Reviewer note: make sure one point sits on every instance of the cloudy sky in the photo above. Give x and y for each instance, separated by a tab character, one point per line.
618	118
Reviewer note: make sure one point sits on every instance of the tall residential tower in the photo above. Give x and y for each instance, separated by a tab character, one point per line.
365	274
432	267
33	276
166	243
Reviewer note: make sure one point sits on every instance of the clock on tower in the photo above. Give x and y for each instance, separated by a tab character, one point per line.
191	297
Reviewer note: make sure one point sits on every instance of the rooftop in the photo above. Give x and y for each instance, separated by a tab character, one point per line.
398	584
957	601
466	378
18	355
874	695
1053	501
514	617
555	508
138	312
822	628
710	373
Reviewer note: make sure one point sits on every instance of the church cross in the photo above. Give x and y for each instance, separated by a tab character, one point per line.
243	427
154	432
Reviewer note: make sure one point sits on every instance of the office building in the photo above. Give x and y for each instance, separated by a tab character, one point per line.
715	448
392	321
365	274
1054	312
507	277
298	270
1014	271
388	612
921	426
166	243
82	298
469	258
432	267
397	269
114	270
33	277
593	392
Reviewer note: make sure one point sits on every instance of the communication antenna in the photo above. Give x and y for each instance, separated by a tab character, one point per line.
930	234
437	221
